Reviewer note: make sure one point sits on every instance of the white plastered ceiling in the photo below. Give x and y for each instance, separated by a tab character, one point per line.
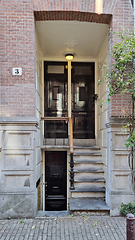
84	39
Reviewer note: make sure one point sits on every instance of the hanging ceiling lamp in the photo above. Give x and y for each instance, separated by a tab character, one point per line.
69	56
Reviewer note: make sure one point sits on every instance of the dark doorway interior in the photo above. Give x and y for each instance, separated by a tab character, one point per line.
56	181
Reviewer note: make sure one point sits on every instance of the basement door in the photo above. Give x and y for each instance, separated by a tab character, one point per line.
55	181
82	94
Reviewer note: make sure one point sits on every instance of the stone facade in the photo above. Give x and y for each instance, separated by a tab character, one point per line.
21	97
119	167
18	167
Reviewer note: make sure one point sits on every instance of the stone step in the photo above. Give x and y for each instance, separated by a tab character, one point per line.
93	192
81	174
88	179
86	189
97	184
84	142
88	170
87	204
85	149
78	148
88	166
85	194
86	158
89	161
90	153
44	214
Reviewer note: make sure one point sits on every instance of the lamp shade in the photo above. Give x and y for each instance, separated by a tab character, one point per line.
69	56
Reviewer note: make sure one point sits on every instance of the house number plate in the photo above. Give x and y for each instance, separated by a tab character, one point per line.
17	71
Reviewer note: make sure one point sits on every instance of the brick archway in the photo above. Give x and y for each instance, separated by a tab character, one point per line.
72	16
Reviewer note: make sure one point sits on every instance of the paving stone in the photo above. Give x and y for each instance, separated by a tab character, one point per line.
65	228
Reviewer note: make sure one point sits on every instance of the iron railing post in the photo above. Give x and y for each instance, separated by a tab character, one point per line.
71	172
45	132
55	131
63	134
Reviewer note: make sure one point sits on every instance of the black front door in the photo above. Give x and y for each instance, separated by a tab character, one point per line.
56	181
83	105
82	93
56	98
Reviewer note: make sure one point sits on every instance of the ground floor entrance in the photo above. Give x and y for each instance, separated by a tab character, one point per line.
55	181
82	98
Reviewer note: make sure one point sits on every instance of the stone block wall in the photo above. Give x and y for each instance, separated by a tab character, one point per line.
17	167
119	167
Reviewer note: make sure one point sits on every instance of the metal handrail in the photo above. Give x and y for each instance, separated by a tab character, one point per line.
71	135
71	154
68	119
55	118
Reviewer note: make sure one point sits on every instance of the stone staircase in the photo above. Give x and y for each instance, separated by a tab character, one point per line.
89	181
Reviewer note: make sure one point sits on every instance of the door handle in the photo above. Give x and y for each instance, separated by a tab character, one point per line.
95	97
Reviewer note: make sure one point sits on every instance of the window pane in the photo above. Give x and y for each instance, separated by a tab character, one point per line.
82	94
82	70
55	69
55	92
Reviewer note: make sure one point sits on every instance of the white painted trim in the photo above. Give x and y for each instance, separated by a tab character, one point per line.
42	95
99	6
43	86
96	107
69	89
134	13
62	59
68	183
43	180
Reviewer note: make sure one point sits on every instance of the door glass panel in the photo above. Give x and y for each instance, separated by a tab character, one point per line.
55	92
82	70
55	100
79	88
82	93
55	69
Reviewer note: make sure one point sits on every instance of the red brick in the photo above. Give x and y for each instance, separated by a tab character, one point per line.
17	45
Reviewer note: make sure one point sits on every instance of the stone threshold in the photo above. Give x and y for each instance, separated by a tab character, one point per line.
75	147
44	214
54	147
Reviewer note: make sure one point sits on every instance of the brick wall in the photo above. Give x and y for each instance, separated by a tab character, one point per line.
17	50
18	44
120	105
123	18
60	5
